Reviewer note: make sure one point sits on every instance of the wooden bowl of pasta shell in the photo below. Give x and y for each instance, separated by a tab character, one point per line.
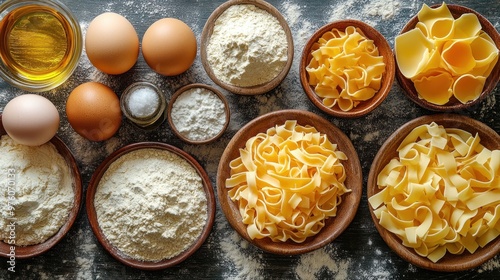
222	81
346	210
450	262
367	105
453	105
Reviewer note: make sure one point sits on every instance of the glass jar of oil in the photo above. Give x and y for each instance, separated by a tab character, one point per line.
40	44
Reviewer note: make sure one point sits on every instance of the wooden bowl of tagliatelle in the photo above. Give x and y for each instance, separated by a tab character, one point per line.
347	68
433	192
289	182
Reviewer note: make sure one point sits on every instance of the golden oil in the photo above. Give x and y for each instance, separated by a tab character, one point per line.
40	44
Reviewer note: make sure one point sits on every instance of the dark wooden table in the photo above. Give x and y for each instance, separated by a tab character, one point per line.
359	253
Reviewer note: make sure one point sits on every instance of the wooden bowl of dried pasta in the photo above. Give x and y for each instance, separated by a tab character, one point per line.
29	251
450	262
333	226
329	103
164	215
453	105
252	79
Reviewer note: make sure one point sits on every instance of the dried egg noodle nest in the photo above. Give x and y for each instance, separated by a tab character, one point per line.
446	57
287	182
345	68
442	194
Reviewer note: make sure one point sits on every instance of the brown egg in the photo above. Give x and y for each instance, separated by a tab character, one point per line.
169	46
111	43
93	110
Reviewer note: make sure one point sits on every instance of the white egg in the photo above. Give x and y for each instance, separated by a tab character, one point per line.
30	119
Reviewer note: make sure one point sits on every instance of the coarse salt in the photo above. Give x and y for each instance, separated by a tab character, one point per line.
143	102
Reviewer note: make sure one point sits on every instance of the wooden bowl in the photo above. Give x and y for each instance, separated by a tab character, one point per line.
208	30
178	93
334	226
384	49
24	252
449	263
453	105
91	213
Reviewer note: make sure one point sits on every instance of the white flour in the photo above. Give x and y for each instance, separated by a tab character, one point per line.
369	12
37	182
248	46
150	204
198	114
311	263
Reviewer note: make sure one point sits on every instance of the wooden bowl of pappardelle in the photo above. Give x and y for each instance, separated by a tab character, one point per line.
364	107
207	33
115	252
24	252
453	104
346	211
450	262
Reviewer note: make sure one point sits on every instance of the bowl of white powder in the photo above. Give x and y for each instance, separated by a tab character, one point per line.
150	205
198	113
246	47
41	198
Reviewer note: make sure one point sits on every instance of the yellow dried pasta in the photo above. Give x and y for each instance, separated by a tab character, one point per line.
287	182
454	54
442	193
345	68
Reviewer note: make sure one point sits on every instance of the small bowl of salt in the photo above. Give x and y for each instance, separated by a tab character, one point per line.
198	113
144	105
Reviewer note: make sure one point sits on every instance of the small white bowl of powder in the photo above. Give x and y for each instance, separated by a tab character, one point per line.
198	113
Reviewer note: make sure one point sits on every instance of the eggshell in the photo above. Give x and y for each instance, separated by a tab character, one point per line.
93	110
111	43
30	119
169	46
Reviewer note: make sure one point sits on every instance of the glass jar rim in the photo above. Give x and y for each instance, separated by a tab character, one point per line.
77	41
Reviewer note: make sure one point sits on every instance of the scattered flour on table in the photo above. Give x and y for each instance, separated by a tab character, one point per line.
310	264
112	145
84	263
371	136
382	8
291	12
242	260
492	264
84	268
369	12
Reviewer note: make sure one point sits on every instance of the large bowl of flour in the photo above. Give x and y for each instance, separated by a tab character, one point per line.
40	199
150	205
